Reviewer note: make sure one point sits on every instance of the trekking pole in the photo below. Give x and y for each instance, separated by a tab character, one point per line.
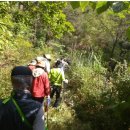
46	128
63	90
47	120
46	110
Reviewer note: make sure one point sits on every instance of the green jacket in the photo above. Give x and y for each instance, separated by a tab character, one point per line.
56	76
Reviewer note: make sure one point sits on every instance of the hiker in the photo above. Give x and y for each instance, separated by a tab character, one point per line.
67	62
32	64
41	86
63	66
20	111
46	58
56	77
47	64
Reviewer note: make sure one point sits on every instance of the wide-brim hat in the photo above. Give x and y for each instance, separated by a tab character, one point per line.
48	56
41	64
40	59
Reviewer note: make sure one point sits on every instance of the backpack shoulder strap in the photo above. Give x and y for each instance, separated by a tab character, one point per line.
5	101
22	116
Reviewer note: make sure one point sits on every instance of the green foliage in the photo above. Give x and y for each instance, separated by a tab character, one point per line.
102	6
96	97
99	102
83	5
97	94
128	33
18	32
37	20
75	4
120	6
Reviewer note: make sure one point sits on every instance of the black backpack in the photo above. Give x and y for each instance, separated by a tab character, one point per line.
3	102
0	102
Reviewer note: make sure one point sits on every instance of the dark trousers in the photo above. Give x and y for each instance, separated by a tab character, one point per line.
56	90
39	99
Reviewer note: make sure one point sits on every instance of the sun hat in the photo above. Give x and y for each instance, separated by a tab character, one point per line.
40	58
41	64
47	56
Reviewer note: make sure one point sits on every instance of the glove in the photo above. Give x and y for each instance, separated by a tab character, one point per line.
66	81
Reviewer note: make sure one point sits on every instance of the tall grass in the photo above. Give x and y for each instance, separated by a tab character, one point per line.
95	97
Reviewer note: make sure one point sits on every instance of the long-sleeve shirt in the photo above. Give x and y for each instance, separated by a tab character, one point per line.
39	122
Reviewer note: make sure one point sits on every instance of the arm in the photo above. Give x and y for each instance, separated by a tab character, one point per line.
47	66
46	85
62	74
63	77
39	123
47	92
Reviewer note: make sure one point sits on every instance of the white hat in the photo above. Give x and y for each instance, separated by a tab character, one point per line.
41	64
48	56
40	58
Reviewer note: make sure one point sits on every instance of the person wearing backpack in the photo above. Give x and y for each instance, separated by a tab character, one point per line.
41	85
56	77
20	111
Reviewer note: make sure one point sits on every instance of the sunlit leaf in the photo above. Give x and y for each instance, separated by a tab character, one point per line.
102	6
128	33
92	4
83	5
75	4
121	15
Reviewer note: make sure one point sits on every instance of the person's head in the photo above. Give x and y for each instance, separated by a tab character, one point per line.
41	64
58	64
67	61
21	78
40	59
47	56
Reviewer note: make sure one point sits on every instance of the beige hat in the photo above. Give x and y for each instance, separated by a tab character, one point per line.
40	58
41	64
48	56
